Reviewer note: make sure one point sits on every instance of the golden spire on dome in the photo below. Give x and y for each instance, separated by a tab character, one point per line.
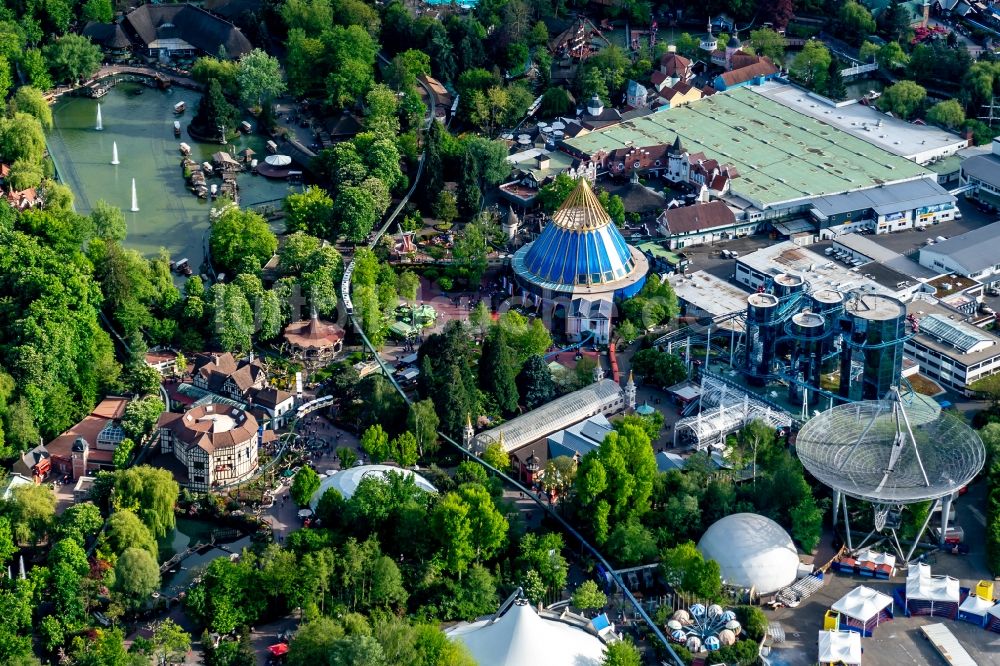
581	211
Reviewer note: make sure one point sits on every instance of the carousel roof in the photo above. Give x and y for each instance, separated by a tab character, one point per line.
520	637
313	333
581	246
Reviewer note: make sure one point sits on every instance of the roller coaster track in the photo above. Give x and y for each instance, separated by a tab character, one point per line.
345	290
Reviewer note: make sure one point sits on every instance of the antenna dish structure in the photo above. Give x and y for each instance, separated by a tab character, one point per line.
890	455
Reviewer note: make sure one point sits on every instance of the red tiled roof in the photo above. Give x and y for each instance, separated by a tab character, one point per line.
699	217
744	74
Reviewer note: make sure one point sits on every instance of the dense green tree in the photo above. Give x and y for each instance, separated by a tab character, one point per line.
534	382
72	57
22	138
206	69
686	570
99	11
215	117
350	55
375	442
35	68
453	529
497	371
855	22
356	213
304	486
136	576
622	653
141	415
108	221
894	21
948	113
542	554
151	493
404	449
240	237
433	180
811	66
903	99
310	211
31	511
588	596
259	78
31	101
422	421
232	318
447	376
496	456
655	304
658	368
125	530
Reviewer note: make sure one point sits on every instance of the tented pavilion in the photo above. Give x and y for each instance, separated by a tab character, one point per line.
839	647
520	637
993	619
931	595
863	609
313	340
976	610
346	481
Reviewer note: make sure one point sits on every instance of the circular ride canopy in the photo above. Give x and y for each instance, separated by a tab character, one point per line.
866	450
278	160
753	551
582	247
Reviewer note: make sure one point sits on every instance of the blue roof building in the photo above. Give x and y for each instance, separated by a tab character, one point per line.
580	253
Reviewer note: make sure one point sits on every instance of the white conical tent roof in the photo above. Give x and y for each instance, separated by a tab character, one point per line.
521	638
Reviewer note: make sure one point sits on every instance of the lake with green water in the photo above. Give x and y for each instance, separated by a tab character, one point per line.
169	216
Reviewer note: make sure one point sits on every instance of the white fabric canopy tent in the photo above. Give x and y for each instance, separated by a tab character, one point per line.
521	638
840	647
922	586
976	610
863	605
877	558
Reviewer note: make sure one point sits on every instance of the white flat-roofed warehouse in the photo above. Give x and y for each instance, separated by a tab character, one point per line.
820	272
703	293
920	143
949	350
974	254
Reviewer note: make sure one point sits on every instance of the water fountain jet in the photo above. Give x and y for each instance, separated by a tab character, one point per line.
114	153
135	199
100	123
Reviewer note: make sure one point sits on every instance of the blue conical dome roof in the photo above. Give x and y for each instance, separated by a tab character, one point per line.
581	247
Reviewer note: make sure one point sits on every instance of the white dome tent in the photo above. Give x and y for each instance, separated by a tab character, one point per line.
346	481
753	551
520	637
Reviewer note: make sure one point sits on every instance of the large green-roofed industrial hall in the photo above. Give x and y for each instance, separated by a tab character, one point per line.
782	158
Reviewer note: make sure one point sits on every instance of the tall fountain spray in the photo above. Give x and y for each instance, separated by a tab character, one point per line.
114	153
135	199
100	123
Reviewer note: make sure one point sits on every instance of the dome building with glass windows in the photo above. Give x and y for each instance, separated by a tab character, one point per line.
580	255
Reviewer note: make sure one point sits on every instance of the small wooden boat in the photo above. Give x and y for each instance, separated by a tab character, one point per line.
177	128
179	107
